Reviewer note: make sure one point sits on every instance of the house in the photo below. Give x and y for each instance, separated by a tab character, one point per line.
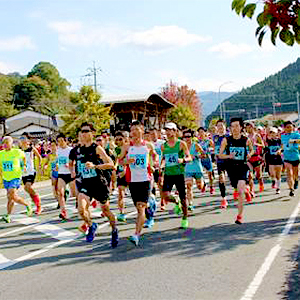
35	123
150	110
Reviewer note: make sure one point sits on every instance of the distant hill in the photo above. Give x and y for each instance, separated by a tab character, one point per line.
211	100
277	93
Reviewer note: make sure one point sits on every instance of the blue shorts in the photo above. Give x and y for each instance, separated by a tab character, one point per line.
54	174
12	184
207	164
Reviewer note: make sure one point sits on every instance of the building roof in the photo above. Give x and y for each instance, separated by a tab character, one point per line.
134	98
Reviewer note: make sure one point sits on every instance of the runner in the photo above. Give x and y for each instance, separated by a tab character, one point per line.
11	172
90	159
157	146
221	163
122	184
206	143
52	160
175	154
290	140
138	159
193	169
274	158
64	174
235	147
256	160
29	175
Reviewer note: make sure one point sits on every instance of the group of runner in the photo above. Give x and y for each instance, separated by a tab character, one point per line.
150	163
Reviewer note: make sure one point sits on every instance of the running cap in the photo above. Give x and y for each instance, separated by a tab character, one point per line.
259	128
171	125
273	129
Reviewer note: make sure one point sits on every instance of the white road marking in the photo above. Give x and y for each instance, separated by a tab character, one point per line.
265	267
41	197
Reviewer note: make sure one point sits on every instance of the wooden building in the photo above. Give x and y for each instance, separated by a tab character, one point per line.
150	110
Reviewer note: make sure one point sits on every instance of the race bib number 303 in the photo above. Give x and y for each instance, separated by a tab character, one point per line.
139	161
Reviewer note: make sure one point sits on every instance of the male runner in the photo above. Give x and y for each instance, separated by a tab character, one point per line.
11	171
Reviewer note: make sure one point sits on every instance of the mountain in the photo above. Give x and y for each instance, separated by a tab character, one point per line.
276	94
210	101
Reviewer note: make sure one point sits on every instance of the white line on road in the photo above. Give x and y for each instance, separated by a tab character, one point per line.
265	267
41	197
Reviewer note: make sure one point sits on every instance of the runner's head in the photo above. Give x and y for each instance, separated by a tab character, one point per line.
288	127
187	135
7	142
171	130
53	146
221	127
273	132
236	125
136	130
153	134
25	139
119	139
87	131
61	140
249	127
201	132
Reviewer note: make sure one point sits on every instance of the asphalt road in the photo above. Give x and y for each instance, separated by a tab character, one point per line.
42	258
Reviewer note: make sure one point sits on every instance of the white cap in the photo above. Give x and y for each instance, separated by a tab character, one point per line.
273	129
171	125
259	128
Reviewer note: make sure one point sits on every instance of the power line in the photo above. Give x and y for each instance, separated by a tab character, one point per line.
93	72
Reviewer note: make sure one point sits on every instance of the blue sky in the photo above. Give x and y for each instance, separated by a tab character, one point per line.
139	45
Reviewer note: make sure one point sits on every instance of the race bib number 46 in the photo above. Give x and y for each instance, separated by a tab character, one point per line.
171	159
239	152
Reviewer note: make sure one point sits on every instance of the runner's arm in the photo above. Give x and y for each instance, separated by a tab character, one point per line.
188	157
222	150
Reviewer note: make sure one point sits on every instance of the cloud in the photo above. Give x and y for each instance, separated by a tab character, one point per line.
229	50
17	43
153	40
6	68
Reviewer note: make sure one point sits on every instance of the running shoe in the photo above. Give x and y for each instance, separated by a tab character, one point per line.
114	238
38	210
83	228
224	203
134	239
292	194
252	194
67	194
58	206
29	210
273	184
191	207
6	218
152	205
235	195
184	223
261	187
177	208
204	188
278	191
149	223
121	217
238	220
296	184
63	215
94	203
162	208
212	191
91	233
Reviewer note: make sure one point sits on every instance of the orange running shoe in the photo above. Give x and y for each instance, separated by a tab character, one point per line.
261	187
239	219
248	196
224	203
235	195
94	203
83	228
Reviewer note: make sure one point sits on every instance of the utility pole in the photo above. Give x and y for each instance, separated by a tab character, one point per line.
256	111
93	72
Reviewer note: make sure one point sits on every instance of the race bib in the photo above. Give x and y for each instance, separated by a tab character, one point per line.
85	172
62	160
239	152
274	149
139	161
171	159
7	166
217	149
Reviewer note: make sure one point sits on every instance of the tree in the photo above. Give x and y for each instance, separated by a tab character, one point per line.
188	108
87	108
282	17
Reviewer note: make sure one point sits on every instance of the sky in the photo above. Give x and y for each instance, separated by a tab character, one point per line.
138	46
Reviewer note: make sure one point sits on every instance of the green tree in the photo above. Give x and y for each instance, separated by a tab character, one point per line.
87	108
183	116
281	17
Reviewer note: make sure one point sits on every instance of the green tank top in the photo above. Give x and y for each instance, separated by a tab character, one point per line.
171	156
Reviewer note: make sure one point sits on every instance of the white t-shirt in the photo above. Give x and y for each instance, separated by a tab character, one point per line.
63	160
30	170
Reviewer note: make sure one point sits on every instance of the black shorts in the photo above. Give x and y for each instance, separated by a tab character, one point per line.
237	172
178	181
94	188
67	178
121	181
29	178
294	163
156	175
221	165
139	191
275	160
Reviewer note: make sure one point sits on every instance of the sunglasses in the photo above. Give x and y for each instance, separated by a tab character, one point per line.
119	139
85	130
187	136
98	140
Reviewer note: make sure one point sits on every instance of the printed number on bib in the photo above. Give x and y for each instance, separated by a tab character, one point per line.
274	149
171	159
7	166
239	152
139	161
86	173
62	160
